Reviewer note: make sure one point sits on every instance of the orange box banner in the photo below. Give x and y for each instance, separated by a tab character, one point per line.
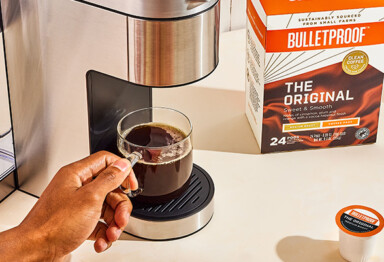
347	122
363	217
279	7
290	40
317	125
258	26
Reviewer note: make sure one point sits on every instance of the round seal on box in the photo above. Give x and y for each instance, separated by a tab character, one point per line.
355	62
362	133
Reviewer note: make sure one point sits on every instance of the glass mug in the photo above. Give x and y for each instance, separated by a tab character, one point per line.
158	143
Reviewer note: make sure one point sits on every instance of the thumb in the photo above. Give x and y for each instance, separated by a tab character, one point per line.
111	177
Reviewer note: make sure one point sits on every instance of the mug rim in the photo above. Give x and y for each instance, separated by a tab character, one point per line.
119	130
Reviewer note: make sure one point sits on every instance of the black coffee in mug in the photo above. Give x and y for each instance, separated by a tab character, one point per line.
167	162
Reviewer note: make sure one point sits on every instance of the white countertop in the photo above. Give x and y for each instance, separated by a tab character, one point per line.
276	207
264	211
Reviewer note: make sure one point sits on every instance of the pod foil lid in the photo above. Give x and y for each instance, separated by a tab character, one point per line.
360	221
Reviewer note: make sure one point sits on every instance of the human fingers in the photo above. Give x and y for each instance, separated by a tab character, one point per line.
100	236
89	167
109	179
122	207
131	181
114	231
109	215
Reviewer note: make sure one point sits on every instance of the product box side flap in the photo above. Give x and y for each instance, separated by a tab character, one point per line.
258	20
280	7
258	8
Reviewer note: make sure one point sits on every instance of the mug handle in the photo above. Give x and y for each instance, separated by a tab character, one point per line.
133	158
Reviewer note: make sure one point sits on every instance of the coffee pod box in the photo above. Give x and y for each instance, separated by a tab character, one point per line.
359	226
314	72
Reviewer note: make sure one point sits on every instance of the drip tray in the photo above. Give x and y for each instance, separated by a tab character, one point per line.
178	218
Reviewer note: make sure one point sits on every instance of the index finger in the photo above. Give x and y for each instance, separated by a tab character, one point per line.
91	166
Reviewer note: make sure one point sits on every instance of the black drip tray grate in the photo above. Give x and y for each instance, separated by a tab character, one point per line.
198	195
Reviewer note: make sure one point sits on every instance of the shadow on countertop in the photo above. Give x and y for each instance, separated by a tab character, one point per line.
218	117
304	249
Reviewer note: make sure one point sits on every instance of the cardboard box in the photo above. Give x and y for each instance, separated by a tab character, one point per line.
314	72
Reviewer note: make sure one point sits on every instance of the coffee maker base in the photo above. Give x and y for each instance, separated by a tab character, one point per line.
180	217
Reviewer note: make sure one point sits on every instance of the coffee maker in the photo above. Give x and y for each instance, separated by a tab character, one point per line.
162	44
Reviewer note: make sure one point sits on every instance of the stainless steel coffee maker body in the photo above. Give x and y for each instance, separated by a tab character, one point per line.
171	42
76	67
7	160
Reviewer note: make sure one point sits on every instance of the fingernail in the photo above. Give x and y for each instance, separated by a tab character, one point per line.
119	231
103	245
121	164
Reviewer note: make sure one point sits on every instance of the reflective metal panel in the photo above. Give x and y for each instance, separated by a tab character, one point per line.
155	9
24	60
7	157
51	45
173	52
7	186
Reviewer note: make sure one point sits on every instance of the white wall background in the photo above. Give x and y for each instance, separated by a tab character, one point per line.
233	14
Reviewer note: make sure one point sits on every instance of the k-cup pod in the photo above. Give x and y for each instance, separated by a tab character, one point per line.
359	226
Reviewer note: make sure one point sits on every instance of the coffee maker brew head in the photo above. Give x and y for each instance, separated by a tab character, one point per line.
170	42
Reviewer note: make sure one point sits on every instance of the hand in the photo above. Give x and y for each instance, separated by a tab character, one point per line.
69	209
